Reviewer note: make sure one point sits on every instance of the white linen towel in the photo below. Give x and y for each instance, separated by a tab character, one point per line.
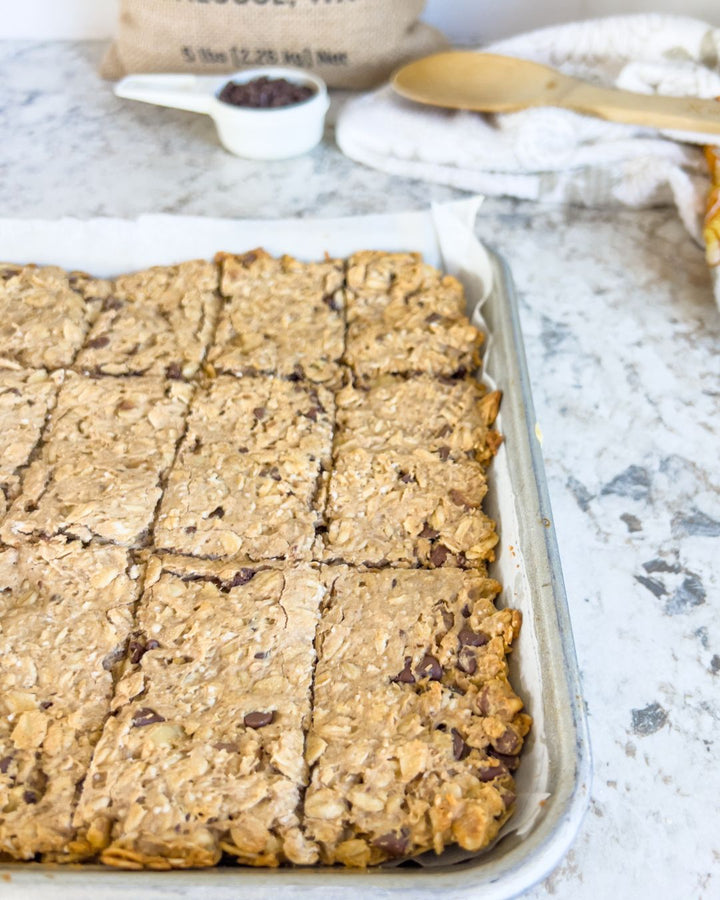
550	154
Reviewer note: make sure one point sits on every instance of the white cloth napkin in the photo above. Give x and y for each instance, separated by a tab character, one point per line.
551	154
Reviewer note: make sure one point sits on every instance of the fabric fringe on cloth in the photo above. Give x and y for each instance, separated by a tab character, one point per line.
554	155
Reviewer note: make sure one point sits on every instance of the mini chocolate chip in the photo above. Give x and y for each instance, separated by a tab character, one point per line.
429	533
508	743
262	655
439	554
459	499
258	719
432	318
430	668
466	611
242	577
96	343
393	843
509	762
174	371
191	529
406	477
406	676
146	716
217	513
489	773
46	704
5	764
329	299
443	453
259	412
393	583
445	430
265	93
30	797
113	303
467	662
246	258
470	638
274	473
460	748
243	450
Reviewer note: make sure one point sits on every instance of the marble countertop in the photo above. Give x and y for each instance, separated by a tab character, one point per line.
622	337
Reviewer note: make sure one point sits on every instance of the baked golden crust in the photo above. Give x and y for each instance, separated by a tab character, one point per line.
253	415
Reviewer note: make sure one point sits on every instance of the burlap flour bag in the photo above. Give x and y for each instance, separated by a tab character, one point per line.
349	44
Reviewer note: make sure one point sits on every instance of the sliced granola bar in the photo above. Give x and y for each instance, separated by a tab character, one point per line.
155	322
407	507
204	752
249	472
45	314
66	612
108	444
405	317
26	396
450	417
282	317
415	728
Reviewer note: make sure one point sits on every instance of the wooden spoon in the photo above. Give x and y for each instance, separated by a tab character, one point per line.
489	83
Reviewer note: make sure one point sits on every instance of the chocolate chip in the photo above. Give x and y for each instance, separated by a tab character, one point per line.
258	719
138	647
467	662
466	611
30	797
174	371
298	373
445	430
508	743
46	704
470	638
259	412
246	258
263	654
243	450
113	303
430	668
242	577
432	318
98	342
443	453
7	274
227	746
265	93
146	716
394	843
429	533
406	676
312	414
125	405
459	499
489	773
217	513
5	764
190	529
439	554
406	477
329	299
509	762
460	748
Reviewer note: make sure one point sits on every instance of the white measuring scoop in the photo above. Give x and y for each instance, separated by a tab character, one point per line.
255	133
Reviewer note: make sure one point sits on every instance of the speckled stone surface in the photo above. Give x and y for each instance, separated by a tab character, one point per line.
623	343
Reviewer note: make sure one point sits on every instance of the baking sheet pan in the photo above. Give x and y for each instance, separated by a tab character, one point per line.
553	780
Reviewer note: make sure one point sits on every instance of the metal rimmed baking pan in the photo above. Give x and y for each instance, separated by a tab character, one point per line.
553	780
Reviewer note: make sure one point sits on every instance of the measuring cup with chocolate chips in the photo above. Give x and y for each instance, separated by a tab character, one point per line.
265	113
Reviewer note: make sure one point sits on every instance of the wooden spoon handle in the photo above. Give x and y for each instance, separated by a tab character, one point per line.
677	113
